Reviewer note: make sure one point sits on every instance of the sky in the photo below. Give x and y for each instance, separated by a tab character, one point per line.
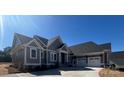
72	29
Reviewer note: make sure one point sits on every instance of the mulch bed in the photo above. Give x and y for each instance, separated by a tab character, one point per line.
111	73
6	68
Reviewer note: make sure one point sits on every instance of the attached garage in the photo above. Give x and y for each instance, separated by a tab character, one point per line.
81	62
94	61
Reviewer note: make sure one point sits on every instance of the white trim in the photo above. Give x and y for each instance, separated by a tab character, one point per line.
63	51
59	57
31	53
34	40
50	50
40	56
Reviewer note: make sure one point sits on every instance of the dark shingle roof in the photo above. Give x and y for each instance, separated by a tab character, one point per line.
24	39
117	57
105	46
44	40
88	47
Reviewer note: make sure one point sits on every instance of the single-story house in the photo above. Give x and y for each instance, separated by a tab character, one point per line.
38	51
91	54
117	59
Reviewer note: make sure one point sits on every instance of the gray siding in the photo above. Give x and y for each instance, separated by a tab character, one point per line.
18	58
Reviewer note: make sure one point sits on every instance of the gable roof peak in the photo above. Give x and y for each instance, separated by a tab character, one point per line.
21	35
55	37
24	39
50	41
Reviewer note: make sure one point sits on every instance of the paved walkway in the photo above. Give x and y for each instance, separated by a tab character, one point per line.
87	72
62	72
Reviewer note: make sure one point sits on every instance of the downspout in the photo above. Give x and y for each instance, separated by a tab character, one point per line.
25	56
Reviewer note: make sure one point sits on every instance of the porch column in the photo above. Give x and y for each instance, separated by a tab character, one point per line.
59	57
67	57
103	58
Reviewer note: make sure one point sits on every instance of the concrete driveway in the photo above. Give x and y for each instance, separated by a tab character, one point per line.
62	72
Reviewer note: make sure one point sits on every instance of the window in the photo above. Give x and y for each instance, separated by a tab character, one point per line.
53	56
33	53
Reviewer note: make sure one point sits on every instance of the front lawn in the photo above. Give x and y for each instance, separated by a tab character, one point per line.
111	73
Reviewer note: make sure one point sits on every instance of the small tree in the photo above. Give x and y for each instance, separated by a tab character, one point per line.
5	55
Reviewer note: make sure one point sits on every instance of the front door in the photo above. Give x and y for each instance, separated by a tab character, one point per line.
62	58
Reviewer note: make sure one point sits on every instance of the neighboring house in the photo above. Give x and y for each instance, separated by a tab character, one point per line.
91	54
117	58
38	51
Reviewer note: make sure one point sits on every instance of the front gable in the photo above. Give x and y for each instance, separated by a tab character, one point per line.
57	43
34	43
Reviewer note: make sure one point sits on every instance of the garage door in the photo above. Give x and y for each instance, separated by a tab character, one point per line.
94	61
81	62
